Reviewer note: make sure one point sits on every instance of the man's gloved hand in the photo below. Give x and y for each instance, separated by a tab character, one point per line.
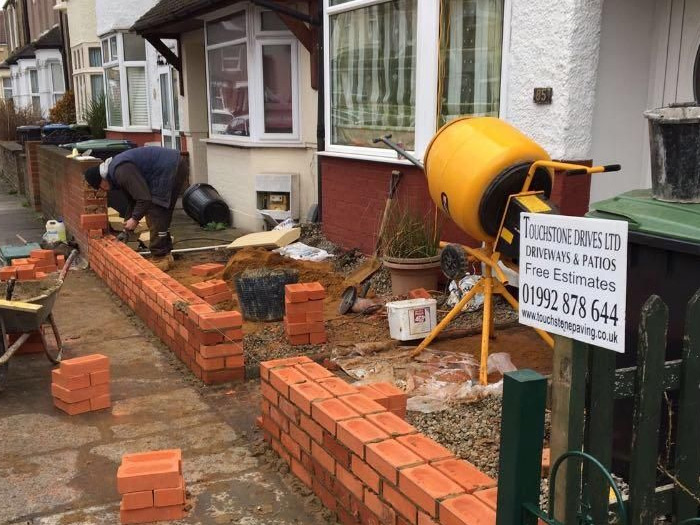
131	224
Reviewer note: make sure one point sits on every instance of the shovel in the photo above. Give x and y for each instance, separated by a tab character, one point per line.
368	268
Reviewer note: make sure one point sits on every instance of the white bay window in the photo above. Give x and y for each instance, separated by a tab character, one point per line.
252	78
407	67
125	81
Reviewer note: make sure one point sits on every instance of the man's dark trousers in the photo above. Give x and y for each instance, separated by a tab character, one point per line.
159	218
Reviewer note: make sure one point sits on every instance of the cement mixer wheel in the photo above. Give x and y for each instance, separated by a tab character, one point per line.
453	262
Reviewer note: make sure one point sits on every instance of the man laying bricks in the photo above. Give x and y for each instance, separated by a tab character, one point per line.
151	178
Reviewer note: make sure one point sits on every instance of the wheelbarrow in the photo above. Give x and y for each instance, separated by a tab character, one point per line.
27	317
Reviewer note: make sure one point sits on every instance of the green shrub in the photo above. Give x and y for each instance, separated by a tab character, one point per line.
96	117
11	118
64	110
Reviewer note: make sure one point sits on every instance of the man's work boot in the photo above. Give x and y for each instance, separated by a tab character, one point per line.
164	263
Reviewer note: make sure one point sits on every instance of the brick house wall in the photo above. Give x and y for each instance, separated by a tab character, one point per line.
354	193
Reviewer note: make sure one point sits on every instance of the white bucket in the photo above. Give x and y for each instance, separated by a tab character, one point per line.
411	319
55	231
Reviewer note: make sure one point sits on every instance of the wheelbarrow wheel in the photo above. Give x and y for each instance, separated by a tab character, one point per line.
53	353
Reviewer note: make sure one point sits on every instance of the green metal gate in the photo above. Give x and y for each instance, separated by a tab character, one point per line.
658	486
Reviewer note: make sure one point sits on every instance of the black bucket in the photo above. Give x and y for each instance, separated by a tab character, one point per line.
261	292
204	204
674	136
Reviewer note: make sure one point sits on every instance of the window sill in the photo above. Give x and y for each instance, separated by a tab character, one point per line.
365	157
253	145
131	129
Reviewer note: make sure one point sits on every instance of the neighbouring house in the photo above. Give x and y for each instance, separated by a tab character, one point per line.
85	53
248	98
408	66
5	78
36	61
138	82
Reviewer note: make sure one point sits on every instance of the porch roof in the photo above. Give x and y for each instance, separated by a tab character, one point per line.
49	40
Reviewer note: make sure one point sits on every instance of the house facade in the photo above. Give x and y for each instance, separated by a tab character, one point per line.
35	60
248	99
5	78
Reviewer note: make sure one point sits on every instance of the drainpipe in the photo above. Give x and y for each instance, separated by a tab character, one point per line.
321	120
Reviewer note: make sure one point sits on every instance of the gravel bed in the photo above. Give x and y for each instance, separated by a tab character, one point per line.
267	344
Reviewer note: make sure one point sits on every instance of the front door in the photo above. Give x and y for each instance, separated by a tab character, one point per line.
170	131
682	74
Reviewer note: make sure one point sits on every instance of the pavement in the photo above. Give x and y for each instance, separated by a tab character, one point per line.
58	469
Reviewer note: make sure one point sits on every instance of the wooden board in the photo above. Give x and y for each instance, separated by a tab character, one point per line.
272	239
117	223
19	306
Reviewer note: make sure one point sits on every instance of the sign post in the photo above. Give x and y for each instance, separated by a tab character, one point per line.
573	277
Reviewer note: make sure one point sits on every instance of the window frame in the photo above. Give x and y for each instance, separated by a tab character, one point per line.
118	62
255	39
54	92
34	94
426	93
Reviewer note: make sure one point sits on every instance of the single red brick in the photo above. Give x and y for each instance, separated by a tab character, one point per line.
270	426
220	320
384	512
425	485
137	476
337	386
318	338
296	293
279	418
206	288
323	457
314	371
269	392
69	382
296	340
300	472
235	361
464	473
400	503
216	363
100	402
72	409
206	269
79	366
391	424
363	471
488	496
387	457
221	350
327	413
419	293
425	447
353	484
315	291
301	437
281	378
174	512
397	397
292	446
266	366
314	430
7	273
137	500
314	317
314	306
327	498
316	328
304	394
356	433
375	395
339	452
76	396
171	496
168	454
219	298
362	404
195	311
466	509
295	318
99	378
289	409
46	255
26	272
292	329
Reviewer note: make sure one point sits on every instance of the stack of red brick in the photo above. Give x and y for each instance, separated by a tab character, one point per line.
81	384
206	340
214	291
152	487
37	266
391	398
303	321
365	463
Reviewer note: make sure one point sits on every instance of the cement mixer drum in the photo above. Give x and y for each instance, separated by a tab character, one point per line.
473	164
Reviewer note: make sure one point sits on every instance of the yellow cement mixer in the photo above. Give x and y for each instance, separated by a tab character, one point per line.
484	173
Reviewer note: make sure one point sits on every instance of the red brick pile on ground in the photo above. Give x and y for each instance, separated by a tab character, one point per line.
152	487
206	340
37	266
365	463
214	291
303	306
207	269
81	384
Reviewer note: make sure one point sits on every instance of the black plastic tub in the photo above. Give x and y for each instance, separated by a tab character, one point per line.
261	292
204	204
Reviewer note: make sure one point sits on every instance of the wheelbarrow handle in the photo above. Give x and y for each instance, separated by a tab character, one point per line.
67	265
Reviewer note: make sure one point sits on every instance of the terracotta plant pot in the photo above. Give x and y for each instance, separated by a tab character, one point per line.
409	274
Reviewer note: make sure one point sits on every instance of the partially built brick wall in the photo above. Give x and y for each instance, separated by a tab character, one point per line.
206	340
366	464
31	174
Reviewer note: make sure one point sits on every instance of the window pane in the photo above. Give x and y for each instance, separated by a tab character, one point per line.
113	48
373	74
33	81
57	77
164	100
36	105
270	21
228	90
114	97
97	86
470	58
95	56
134	47
105	50
226	29
138	96
277	86
176	101
7	88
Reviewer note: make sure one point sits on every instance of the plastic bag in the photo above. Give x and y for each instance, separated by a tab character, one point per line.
457	292
303	252
286	224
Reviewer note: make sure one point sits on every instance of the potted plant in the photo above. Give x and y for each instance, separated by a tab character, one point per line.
411	249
